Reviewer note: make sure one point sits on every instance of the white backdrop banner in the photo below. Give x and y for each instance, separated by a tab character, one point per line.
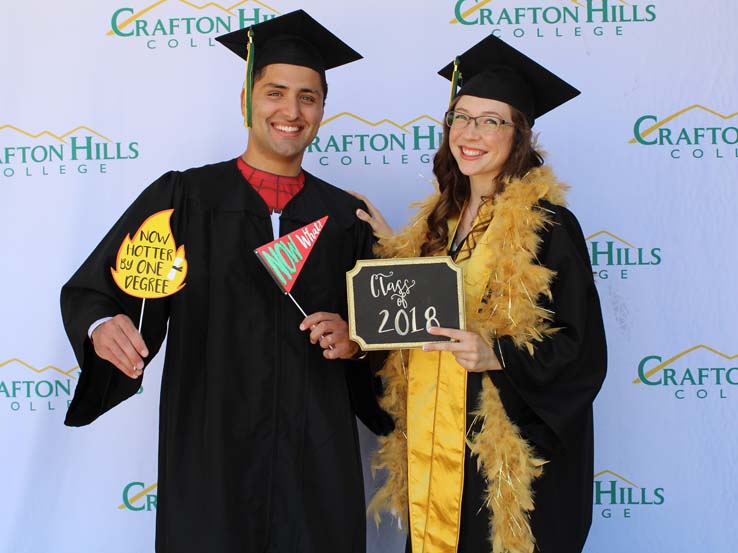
100	98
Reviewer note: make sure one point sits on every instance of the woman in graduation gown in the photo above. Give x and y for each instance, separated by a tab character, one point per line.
493	446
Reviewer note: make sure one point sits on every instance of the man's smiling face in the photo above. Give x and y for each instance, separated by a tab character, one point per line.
287	108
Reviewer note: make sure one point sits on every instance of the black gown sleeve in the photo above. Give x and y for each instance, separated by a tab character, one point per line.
561	379
365	387
91	294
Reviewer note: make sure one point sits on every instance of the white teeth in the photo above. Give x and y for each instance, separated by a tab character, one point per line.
285	128
471	152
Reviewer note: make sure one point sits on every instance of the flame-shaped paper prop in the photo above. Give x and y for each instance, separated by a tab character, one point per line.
150	265
285	257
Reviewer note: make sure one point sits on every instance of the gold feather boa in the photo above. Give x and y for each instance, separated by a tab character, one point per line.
501	301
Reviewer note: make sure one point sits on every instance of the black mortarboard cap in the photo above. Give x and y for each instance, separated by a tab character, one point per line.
493	69
294	38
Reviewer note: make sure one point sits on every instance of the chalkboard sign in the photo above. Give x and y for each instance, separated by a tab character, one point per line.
392	302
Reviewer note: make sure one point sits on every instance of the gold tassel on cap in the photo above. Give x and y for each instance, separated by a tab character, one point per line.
248	82
455	80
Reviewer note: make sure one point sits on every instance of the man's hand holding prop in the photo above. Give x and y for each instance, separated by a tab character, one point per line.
284	258
149	265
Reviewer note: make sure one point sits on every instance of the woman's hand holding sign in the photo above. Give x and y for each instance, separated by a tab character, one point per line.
469	349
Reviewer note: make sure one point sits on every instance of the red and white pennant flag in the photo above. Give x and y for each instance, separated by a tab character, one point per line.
285	257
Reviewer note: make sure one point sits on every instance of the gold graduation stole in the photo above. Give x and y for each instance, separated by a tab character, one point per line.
436	428
436	411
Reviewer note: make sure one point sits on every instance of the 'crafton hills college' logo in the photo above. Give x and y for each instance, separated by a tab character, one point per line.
694	132
138	497
79	151
27	389
347	139
168	24
618	497
697	373
553	18
613	257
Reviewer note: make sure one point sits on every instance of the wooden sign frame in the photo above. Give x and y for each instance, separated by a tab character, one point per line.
401	263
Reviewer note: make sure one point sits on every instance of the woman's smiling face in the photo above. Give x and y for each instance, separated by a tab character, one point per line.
481	155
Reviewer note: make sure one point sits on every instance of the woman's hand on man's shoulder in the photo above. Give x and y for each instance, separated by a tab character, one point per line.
373	217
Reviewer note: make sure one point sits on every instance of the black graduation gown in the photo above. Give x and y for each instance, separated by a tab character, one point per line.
549	397
258	447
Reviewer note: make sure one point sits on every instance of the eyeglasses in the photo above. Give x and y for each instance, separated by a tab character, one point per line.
485	123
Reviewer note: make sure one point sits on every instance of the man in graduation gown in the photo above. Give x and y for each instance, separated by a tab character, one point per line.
258	447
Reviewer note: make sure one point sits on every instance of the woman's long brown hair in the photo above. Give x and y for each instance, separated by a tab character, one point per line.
454	185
